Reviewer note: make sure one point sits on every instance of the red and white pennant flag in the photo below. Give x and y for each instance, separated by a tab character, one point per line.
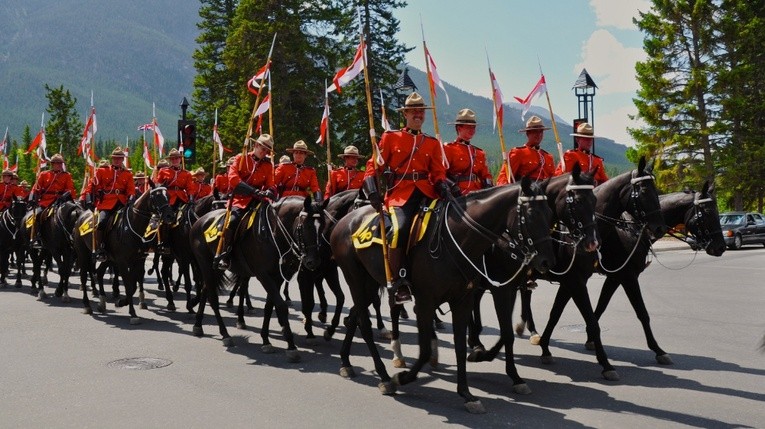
4	143
347	74
433	77
499	111
539	89
324	123
253	85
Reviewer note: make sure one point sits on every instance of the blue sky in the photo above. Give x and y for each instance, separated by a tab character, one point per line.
564	35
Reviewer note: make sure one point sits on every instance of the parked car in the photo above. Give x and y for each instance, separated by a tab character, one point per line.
740	228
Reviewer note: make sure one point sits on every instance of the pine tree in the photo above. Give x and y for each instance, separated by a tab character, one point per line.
62	131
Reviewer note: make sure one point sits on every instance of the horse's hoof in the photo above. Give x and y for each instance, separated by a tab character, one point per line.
323	317
399	363
473	356
87	310
589	345
3	285
385	334
66	299
475	407
229	304
547	360
293	356
102	308
18	285
42	295
520	328
664	359
396	380
228	342
347	372
522	389
241	325
58	293
534	339
387	388
142	306
135	320
328	334
160	287
611	375
197	331
267	349
171	307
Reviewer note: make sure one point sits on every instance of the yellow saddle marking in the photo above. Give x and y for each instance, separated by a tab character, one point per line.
251	219
213	232
151	229
368	232
30	221
49	211
116	217
425	219
87	225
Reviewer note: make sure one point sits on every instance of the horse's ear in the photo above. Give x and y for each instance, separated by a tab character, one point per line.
711	189
705	188
576	171
641	164
325	204
526	185
307	203
151	184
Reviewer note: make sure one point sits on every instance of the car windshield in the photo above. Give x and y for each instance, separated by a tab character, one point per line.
731	219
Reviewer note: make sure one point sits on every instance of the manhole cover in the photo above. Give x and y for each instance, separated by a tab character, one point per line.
139	363
580	328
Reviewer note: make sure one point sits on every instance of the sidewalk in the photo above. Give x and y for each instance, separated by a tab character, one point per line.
670	243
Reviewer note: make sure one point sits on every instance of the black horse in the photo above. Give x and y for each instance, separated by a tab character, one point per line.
11	239
124	241
274	239
572	202
444	264
698	212
39	256
56	234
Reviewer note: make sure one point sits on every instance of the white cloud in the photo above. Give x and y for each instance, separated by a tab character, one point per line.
613	124
618	13
610	63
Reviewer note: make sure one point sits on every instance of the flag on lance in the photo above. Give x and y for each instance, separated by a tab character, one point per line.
433	77
265	104
253	85
324	126
539	89
347	74
499	111
4	142
147	156
383	115
159	140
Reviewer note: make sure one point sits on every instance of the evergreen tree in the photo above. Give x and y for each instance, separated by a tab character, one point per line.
675	96
63	130
26	170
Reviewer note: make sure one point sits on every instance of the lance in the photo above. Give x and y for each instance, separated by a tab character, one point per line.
552	120
214	143
500	124
327	142
271	122
378	161
432	87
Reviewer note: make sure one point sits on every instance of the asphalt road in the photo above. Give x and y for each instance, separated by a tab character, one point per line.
57	365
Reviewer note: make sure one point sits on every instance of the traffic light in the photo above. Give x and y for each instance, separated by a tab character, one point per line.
187	139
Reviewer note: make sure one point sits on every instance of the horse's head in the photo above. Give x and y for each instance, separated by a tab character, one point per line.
575	207
308	229
703	222
643	200
159	204
18	209
534	218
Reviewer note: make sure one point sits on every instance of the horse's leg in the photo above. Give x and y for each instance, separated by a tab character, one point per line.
377	303
610	285
504	301
305	280
582	300
318	282
282	313
167	272
197	329
632	288
460	315
287	293
4	266
231	295
268	311
19	265
139	280
559	304
425	313
395	342
333	281
243	291
192	301
155	269
527	318
476	325
351	323
212	299
129	277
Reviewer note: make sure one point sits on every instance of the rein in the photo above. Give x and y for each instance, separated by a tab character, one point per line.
8	219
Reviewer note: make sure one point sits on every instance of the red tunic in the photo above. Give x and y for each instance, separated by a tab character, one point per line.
50	185
342	179
292	179
221	184
467	166
524	160
590	164
203	190
179	183
420	169
258	174
117	185
7	192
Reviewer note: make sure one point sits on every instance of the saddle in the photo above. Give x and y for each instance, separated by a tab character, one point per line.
215	229
368	233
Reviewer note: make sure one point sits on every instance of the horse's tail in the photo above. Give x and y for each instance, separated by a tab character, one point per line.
225	280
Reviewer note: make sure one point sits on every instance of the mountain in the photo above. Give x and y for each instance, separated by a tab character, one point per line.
132	54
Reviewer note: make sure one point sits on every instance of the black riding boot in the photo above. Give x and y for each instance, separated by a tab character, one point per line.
223	260
100	248
401	289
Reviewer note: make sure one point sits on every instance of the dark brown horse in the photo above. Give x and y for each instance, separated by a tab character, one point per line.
11	239
273	241
444	263
124	241
56	236
698	212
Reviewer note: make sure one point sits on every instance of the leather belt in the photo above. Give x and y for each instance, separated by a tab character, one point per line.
415	176
465	179
116	191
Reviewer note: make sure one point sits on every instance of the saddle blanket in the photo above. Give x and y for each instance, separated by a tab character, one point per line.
368	233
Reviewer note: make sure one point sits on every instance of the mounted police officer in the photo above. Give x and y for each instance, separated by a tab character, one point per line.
51	185
467	163
180	187
296	178
8	190
590	163
112	187
251	177
413	166
348	176
203	188
220	183
529	159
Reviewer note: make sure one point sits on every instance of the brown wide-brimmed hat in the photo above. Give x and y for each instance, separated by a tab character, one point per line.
265	140
464	117
173	153
140	175
24	183
163	163
199	172
350	151
56	158
284	159
103	163
118	152
584	130
414	101
7	173
300	146
534	124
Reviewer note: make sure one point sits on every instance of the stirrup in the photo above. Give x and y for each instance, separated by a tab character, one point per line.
401	291
531	285
36	244
221	262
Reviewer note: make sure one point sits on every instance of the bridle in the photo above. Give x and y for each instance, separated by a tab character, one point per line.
575	227
697	224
